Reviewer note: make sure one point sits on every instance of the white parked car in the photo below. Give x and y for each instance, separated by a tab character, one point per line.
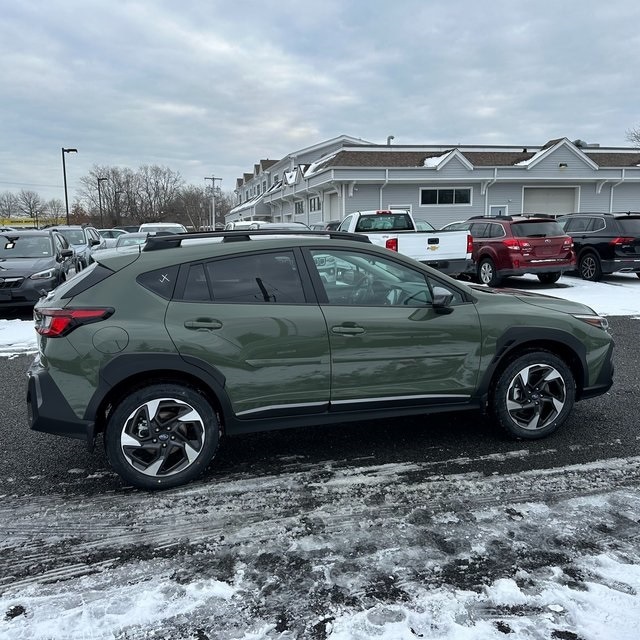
162	227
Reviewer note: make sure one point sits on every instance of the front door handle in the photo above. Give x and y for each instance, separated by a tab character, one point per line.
347	330
203	323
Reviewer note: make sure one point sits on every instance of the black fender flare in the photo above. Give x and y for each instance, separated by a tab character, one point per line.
126	366
516	337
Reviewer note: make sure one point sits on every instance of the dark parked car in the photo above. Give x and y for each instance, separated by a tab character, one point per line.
604	242
200	336
515	245
83	240
32	263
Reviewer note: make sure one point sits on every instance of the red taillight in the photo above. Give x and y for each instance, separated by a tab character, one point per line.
513	244
392	243
56	323
621	240
469	243
567	244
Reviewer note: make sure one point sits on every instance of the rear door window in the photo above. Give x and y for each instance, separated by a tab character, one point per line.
257	278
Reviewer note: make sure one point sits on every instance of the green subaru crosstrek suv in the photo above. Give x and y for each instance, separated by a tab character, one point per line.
166	349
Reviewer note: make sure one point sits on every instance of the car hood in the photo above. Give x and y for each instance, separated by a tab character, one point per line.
541	300
24	266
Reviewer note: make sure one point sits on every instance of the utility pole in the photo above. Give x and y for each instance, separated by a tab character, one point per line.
213	200
100	200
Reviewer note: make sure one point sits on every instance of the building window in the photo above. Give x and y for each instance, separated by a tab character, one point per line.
299	207
445	197
264	186
314	204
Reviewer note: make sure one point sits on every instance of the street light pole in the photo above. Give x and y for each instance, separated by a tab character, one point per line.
64	175
213	200
100	200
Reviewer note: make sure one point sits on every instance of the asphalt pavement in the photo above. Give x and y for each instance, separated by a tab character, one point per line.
599	428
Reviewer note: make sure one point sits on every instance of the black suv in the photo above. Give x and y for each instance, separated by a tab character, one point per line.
604	242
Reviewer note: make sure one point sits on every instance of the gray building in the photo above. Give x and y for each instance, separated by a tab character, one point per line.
439	184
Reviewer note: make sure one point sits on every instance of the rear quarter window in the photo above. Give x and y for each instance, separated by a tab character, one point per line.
160	281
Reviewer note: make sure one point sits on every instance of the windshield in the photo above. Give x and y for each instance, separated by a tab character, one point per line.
178	228
73	236
25	247
130	240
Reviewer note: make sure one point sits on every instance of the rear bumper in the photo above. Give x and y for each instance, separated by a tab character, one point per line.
49	411
625	265
450	267
535	269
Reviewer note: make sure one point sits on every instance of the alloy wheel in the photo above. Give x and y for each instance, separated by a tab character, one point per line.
536	396
162	437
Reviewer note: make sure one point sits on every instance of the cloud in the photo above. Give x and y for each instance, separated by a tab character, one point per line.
198	86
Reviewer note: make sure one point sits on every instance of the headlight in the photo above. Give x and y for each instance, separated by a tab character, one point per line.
44	275
595	321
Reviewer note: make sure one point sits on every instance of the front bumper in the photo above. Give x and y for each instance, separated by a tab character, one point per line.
49	410
27	294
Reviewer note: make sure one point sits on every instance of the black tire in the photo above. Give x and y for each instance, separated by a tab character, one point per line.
549	278
533	395
151	445
487	273
589	267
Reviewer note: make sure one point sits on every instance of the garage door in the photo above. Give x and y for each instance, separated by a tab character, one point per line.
549	200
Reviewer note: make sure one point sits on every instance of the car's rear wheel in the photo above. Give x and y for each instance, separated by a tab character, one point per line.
162	435
590	267
549	278
533	395
487	273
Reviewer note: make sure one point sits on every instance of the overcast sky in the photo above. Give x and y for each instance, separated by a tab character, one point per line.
207	87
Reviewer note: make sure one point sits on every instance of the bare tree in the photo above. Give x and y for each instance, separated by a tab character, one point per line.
633	136
54	211
29	202
8	204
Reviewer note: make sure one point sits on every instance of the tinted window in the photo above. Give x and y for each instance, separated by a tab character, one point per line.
630	226
160	281
576	225
385	222
266	277
537	229
495	230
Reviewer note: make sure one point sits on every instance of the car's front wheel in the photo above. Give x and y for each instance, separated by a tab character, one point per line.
533	395
549	278
162	435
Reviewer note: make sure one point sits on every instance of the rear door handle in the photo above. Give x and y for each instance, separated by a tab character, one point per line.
203	323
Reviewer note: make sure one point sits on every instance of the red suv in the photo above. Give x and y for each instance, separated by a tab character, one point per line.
515	245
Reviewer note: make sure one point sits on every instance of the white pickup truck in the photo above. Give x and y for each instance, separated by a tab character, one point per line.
447	251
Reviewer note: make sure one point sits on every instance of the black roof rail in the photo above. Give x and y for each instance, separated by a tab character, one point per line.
490	218
155	243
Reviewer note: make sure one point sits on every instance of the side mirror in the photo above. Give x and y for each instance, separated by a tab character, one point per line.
93	242
442	302
66	253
